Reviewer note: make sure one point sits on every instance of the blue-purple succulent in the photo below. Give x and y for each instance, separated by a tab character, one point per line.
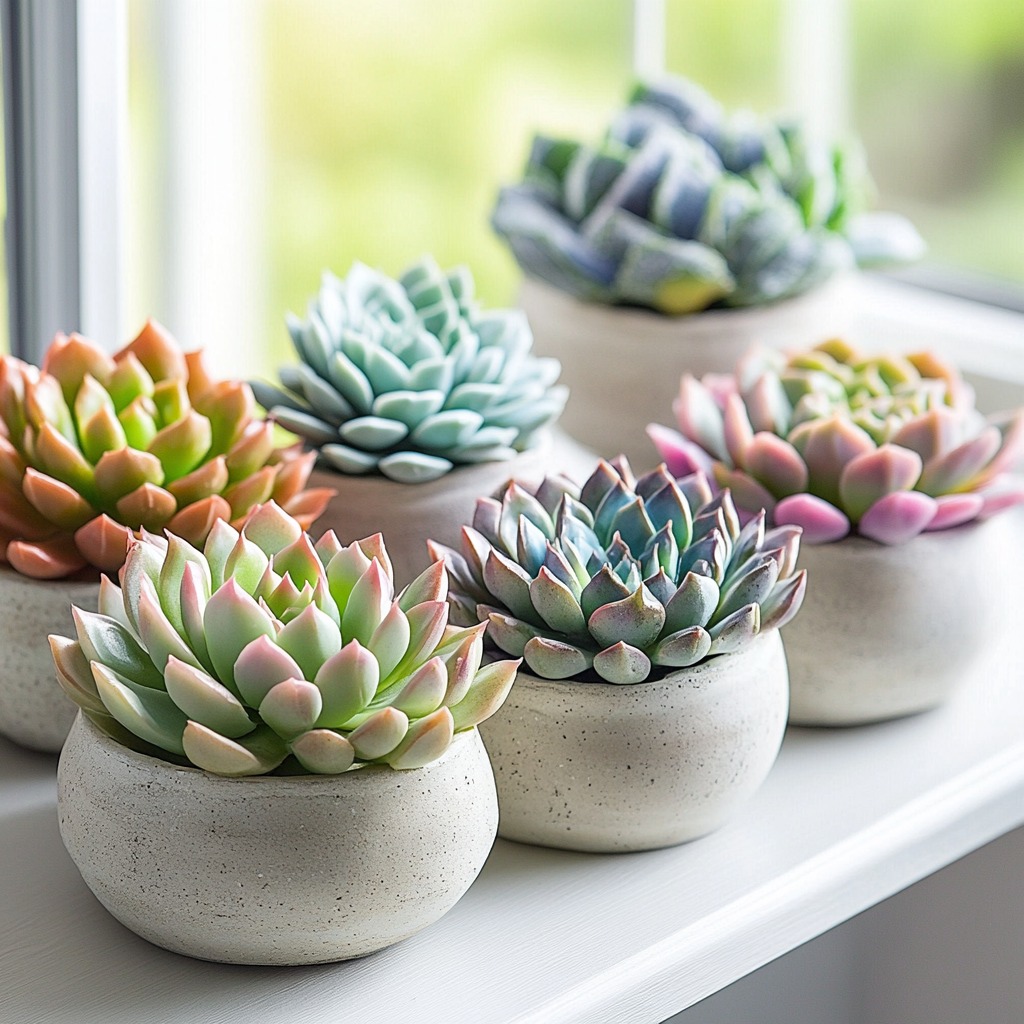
263	651
887	446
622	579
682	206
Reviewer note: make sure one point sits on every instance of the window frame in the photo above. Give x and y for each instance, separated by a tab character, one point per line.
65	117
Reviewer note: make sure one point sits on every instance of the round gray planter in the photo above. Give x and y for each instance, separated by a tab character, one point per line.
34	711
623	365
274	870
606	768
887	631
410	514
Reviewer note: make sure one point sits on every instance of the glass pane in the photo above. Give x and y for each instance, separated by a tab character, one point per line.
366	131
938	96
733	48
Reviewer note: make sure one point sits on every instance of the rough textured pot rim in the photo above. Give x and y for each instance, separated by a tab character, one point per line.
650	323
151	763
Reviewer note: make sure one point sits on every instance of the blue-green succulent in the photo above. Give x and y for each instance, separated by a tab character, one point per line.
410	377
622	579
683	206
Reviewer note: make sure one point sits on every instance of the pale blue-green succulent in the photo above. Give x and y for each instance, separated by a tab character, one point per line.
265	652
621	579
683	206
409	377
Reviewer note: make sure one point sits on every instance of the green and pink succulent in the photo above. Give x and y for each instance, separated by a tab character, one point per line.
622	579
94	447
263	651
832	441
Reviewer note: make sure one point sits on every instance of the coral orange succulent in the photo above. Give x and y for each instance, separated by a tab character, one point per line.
94	447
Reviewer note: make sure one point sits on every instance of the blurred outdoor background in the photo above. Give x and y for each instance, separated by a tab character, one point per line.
271	139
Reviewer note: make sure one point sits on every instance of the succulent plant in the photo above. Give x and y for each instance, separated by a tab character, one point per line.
264	649
94	447
830	440
621	579
409	378
683	206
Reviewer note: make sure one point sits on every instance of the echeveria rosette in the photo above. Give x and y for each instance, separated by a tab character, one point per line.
621	579
683	206
95	446
890	446
263	649
409	377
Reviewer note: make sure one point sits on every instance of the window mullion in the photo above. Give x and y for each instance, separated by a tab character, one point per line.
815	59
102	155
40	90
648	39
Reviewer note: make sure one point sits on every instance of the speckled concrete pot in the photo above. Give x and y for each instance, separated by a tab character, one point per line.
889	631
34	711
410	514
607	768
623	365
274	870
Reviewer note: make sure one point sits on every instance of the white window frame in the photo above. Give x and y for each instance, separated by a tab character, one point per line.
65	119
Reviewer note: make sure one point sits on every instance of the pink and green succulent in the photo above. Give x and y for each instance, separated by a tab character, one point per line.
264	651
622	579
94	447
833	441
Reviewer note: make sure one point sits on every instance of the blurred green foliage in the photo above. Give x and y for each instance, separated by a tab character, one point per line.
391	124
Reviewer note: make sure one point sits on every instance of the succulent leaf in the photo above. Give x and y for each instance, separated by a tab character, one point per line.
555	659
427	739
261	752
323	752
683	648
202	698
144	711
291	708
380	734
622	663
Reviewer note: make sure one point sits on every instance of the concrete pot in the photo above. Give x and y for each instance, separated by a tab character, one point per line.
274	869
623	365
607	768
34	712
410	514
890	631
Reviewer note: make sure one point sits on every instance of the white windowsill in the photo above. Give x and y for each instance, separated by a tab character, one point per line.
847	818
